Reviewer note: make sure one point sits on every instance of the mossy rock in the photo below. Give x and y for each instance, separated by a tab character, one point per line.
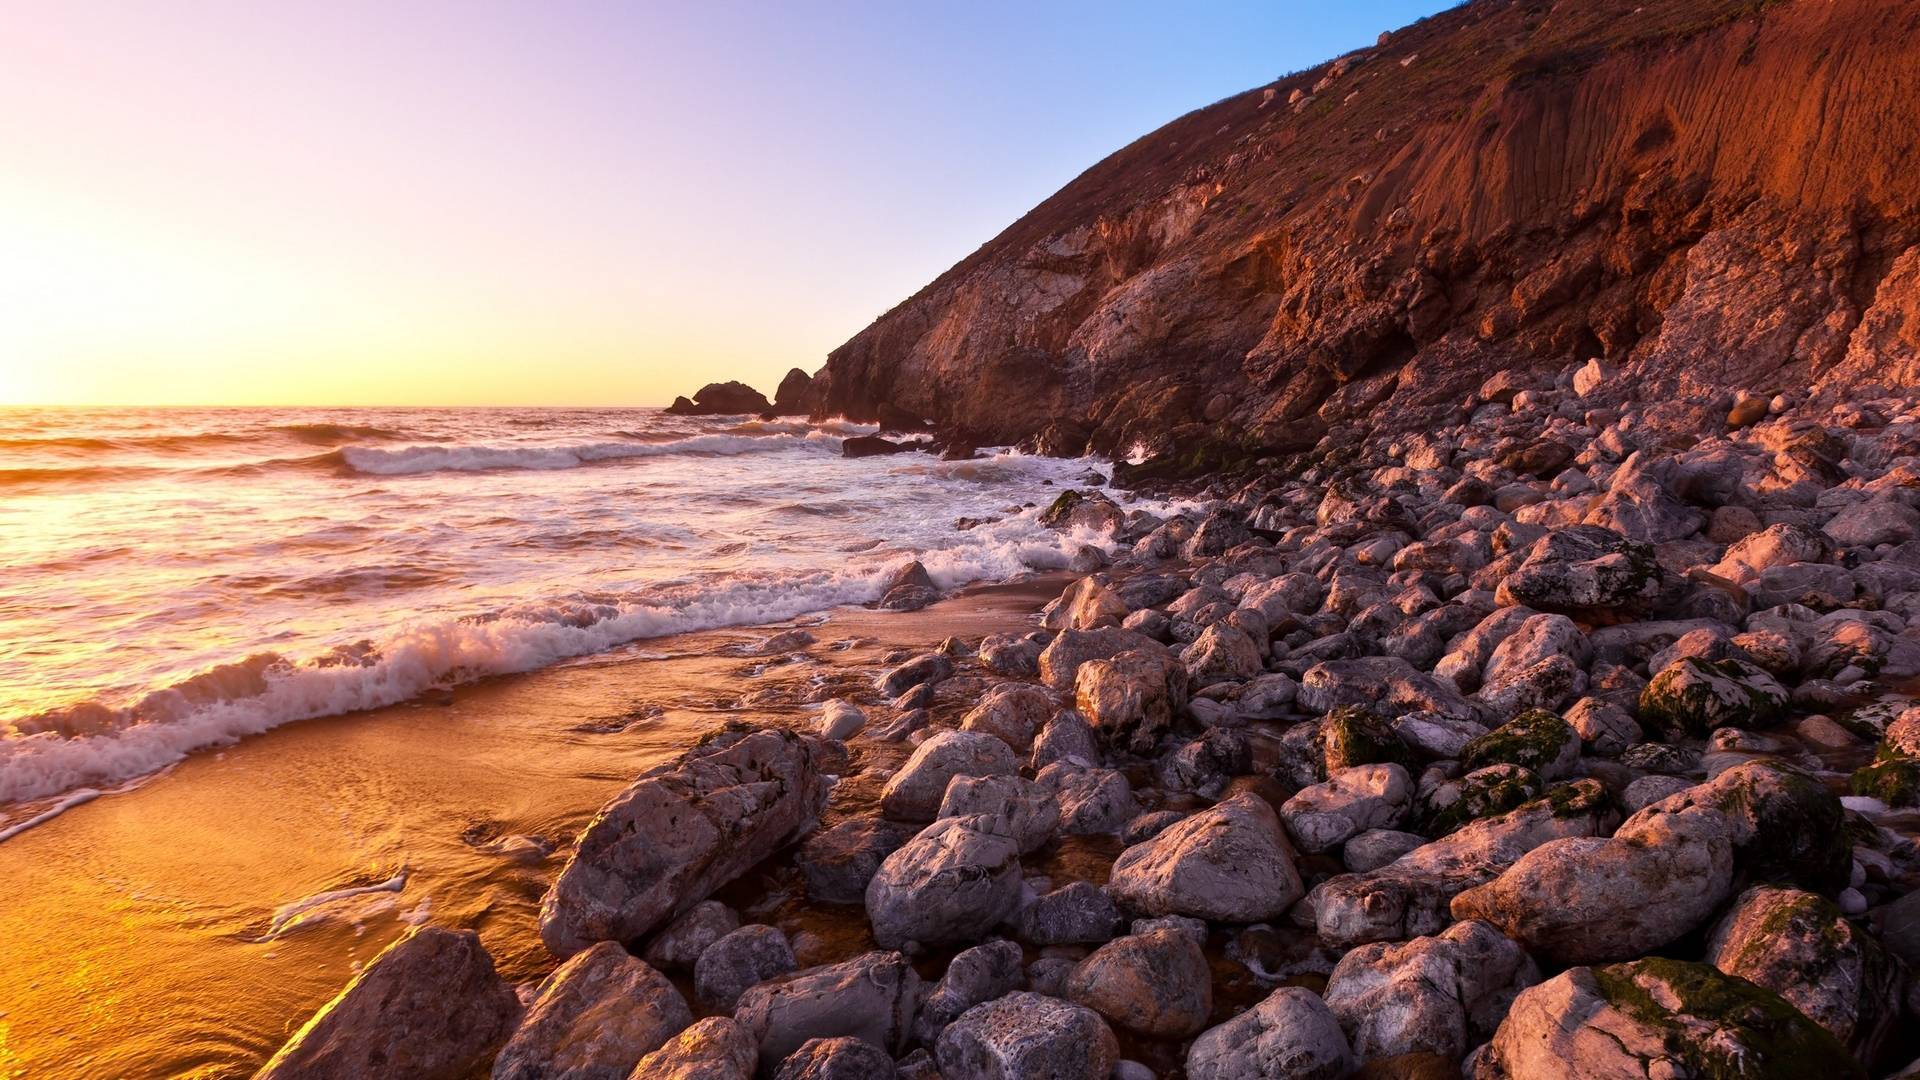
1893	780
1350	735
1794	829
1722	1027
1578	799
1482	794
1536	740
1692	697
1056	513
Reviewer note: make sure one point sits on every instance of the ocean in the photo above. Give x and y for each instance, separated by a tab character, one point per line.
174	580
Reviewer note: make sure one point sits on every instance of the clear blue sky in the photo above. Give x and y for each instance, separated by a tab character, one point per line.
480	201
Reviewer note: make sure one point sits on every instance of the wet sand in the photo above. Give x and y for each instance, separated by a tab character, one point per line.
173	931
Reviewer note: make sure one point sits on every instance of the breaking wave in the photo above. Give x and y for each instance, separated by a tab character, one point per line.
94	745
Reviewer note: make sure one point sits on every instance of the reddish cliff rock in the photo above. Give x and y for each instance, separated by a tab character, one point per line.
1711	195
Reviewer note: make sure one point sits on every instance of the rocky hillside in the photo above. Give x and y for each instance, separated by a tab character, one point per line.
1708	195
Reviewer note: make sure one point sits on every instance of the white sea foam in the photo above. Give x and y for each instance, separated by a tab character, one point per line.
412	460
346	903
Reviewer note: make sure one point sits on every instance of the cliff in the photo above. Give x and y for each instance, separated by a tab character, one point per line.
1710	195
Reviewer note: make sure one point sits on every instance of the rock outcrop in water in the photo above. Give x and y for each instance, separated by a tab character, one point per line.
1687	205
722	399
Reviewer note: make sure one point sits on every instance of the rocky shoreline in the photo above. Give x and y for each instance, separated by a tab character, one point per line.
1540	745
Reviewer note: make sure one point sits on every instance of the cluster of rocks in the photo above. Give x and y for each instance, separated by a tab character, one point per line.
1518	749
793	398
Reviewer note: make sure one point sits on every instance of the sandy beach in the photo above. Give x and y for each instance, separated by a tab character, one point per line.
454	808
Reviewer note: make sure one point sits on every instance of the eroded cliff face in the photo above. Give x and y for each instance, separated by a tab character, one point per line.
1709	194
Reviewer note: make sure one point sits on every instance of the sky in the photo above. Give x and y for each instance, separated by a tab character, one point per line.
358	202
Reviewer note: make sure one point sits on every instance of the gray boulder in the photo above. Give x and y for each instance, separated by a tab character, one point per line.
716	1048
840	1058
1156	984
1023	1036
1802	947
594	1018
1322	817
871	997
1438	995
1587	899
915	791
1657	1018
747	957
973	976
1291	1034
838	862
679	944
428	1007
1078	913
1229	863
953	882
681	831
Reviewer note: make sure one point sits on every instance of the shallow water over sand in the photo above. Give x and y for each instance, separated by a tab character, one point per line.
188	926
173	580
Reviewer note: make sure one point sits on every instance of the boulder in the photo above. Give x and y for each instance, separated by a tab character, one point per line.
953	882
838	862
1004	654
1322	817
1586	899
716	1048
1482	793
1586	572
1787	827
1290	1034
915	791
1222	653
1873	522
1657	1018
872	997
680	943
1020	809
1605	729
1639	502
1078	913
1376	848
841	720
1023	1036
973	976
1386	685
1692	697
428	1007
841	1058
747	957
1133	697
1060	661
863	446
1068	738
1536	740
1412	895
594	1018
1156	984
1091	800
922	670
1230	863
1012	713
1802	947
1438	995
1086	605
909	588
682	830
